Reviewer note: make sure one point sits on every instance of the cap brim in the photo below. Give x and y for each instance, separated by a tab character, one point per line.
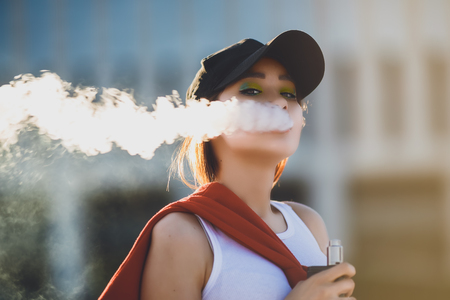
297	52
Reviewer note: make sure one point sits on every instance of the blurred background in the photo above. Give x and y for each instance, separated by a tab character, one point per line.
373	159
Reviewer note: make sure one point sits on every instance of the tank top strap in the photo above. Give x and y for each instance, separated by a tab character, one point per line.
292	220
289	218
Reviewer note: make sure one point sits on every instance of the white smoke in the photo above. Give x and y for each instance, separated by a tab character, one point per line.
84	121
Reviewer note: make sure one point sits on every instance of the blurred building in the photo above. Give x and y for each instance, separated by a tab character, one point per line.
383	126
373	159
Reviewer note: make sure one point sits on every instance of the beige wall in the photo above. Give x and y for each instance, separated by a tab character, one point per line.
384	119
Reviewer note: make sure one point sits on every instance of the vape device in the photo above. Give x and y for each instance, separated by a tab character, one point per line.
335	255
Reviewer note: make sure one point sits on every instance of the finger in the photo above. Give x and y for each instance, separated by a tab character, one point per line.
338	271
343	287
344	297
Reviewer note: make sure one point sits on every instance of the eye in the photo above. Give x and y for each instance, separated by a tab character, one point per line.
250	92
288	95
250	89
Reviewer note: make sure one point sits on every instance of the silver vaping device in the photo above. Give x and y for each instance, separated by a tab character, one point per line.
335	255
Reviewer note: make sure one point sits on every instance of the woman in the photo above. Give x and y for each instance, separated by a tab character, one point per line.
229	240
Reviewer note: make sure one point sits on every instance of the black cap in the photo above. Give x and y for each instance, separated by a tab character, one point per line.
295	50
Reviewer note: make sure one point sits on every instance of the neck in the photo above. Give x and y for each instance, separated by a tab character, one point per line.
251	181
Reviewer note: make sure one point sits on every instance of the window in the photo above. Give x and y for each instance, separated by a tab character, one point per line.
437	95
391	97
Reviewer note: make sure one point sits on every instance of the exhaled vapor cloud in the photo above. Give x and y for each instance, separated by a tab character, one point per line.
83	120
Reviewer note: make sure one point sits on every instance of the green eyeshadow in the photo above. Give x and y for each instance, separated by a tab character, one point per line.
250	85
288	90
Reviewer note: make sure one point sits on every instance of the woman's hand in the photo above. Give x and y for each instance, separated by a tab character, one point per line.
325	286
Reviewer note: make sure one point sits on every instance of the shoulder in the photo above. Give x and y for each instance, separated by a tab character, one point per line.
179	227
313	221
180	234
179	258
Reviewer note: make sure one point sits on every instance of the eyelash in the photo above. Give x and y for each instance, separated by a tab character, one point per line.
288	95
250	92
255	92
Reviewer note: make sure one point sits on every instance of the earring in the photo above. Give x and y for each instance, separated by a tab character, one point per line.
304	122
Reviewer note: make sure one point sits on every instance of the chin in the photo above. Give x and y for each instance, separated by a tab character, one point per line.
270	146
269	150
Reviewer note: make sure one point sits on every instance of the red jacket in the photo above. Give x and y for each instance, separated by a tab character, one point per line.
222	208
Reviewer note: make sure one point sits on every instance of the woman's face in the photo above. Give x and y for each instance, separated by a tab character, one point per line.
266	81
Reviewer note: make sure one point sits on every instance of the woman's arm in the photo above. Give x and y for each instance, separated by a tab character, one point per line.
314	222
323	285
179	261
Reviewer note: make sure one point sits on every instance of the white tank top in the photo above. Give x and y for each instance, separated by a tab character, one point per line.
239	273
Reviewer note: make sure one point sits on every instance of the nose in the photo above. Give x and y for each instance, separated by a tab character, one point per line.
280	101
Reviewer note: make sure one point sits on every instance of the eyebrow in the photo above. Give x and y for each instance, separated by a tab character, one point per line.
286	77
263	76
